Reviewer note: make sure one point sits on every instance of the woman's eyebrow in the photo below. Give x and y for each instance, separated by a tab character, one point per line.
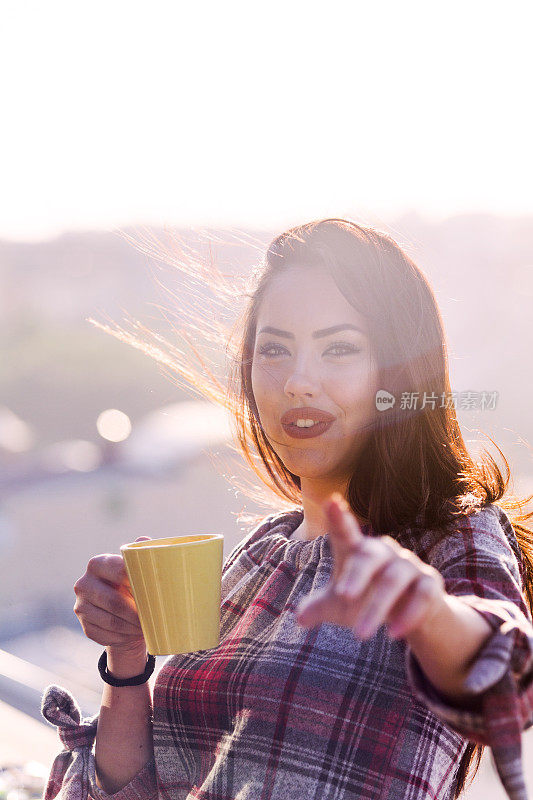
316	334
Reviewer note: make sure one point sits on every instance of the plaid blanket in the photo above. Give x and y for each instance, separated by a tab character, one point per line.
278	711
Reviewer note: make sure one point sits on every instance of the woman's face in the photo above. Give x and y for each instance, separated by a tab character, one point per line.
302	364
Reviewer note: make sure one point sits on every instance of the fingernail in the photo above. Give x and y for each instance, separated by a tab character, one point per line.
341	502
393	632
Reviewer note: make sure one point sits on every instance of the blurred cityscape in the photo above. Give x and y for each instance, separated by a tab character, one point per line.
98	447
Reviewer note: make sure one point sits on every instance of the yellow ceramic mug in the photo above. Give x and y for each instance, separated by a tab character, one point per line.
176	585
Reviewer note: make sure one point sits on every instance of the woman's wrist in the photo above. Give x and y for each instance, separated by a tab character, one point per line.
126	663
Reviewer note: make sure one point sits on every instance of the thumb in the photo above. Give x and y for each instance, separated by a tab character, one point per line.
138	539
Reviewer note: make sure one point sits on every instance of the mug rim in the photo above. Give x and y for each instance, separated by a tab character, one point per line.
140	545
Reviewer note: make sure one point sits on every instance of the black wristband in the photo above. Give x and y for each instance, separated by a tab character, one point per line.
135	681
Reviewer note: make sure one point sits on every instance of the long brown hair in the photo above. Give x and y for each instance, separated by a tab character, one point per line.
415	466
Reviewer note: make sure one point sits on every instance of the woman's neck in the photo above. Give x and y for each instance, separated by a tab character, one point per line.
314	522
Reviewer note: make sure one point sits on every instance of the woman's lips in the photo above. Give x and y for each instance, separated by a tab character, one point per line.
307	433
322	421
306	412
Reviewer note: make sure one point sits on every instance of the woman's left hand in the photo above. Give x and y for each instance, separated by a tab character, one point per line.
374	581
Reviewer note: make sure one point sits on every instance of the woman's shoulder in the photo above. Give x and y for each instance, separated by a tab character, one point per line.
486	528
275	522
489	523
285	519
492	526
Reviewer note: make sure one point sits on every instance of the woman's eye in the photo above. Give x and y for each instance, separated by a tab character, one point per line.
345	349
341	349
266	349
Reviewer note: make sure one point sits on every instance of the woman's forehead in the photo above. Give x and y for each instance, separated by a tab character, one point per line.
304	298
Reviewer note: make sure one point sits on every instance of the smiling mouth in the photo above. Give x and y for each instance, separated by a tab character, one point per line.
306	431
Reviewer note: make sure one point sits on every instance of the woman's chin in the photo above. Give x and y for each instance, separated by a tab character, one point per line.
305	466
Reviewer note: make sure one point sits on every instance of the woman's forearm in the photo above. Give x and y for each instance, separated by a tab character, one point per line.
447	644
124	739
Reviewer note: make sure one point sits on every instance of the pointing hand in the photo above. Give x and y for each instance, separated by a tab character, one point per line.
375	581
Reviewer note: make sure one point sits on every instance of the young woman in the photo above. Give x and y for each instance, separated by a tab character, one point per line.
375	632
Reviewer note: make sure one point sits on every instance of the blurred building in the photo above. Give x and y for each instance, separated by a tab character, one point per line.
65	504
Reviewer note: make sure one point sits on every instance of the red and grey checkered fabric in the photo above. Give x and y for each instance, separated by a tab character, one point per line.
277	711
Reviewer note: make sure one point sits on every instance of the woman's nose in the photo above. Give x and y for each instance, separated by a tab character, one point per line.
301	383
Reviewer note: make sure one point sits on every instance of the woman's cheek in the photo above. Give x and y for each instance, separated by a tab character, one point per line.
267	381
263	397
258	384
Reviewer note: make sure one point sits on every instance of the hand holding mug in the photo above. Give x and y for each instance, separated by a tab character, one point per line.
105	605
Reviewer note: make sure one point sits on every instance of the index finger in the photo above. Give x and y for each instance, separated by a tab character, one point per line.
345	534
110	568
343	520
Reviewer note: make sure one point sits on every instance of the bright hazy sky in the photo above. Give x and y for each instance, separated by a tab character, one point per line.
260	114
